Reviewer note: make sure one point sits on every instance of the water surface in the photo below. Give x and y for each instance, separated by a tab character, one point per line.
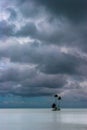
43	119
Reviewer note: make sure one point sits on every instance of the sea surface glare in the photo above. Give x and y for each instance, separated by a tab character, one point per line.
43	119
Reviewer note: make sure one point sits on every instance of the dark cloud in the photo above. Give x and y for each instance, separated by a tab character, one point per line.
6	29
6	87
45	81
62	33
62	63
45	49
24	53
29	9
40	85
23	80
16	74
28	29
73	9
13	14
47	59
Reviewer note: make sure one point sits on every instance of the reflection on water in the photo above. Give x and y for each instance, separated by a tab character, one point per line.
43	119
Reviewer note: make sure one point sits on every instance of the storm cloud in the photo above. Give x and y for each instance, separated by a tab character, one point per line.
43	48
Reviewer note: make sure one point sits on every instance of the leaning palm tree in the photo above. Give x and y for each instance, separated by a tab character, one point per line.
59	98
56	96
56	104
54	107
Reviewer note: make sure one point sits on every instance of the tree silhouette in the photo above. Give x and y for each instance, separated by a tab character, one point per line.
59	98
56	104
56	96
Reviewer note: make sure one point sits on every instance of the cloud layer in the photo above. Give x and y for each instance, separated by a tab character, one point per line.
43	48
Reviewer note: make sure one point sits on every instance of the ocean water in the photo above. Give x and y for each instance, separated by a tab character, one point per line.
43	119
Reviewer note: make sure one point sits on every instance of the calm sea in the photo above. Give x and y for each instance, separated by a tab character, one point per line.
43	119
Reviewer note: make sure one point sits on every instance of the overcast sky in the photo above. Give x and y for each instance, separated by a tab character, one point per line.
43	48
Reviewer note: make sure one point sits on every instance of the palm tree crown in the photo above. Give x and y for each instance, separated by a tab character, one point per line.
59	98
55	95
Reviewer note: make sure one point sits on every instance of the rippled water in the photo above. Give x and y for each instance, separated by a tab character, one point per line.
43	119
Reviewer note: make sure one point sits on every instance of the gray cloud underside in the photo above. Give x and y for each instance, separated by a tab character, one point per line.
73	9
6	29
50	73
47	59
25	82
57	55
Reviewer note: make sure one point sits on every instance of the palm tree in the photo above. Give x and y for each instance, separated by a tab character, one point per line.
56	96
56	104
54	107
59	98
